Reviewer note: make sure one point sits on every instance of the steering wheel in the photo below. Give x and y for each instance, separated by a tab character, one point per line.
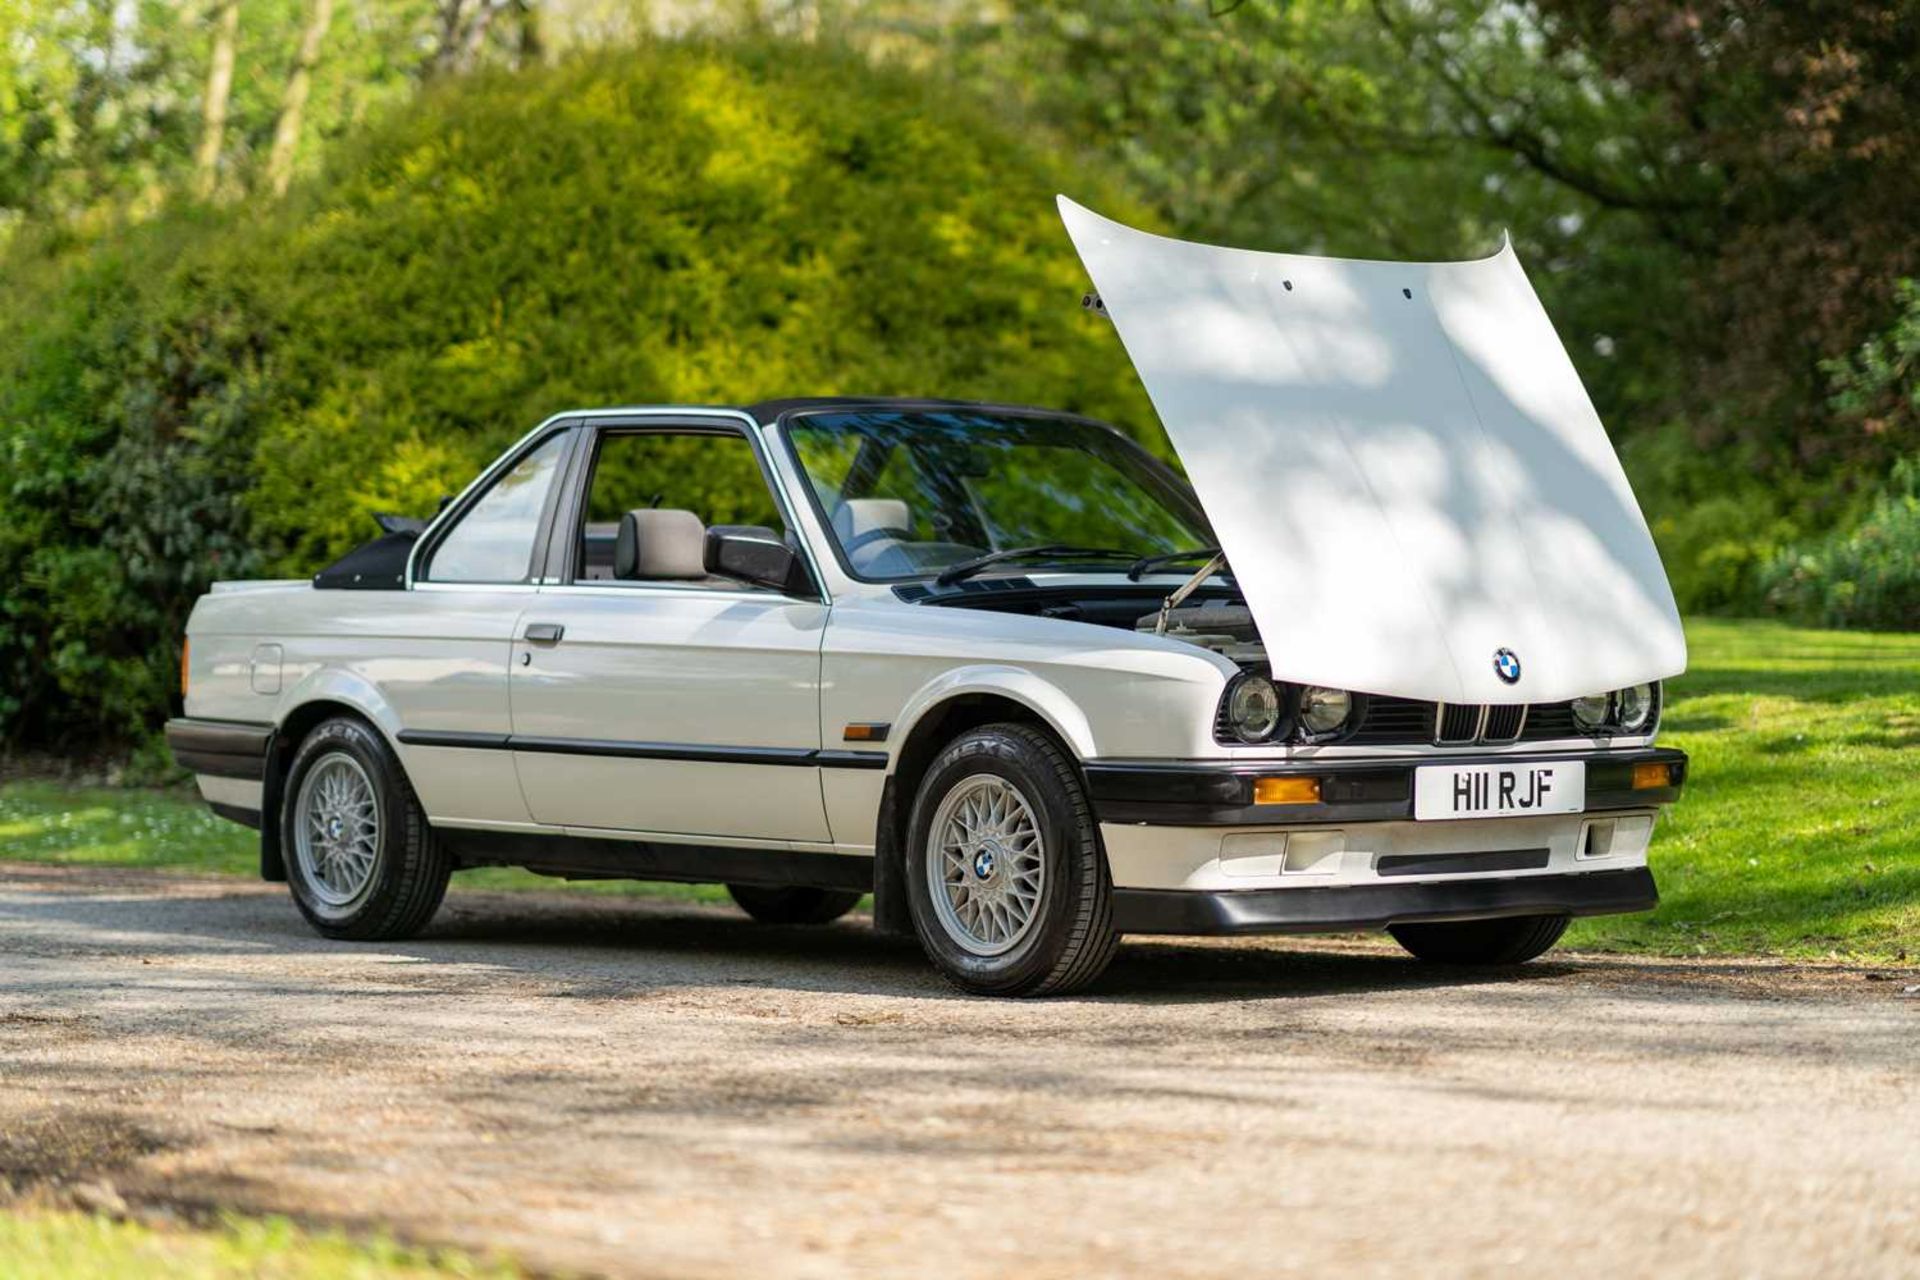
868	538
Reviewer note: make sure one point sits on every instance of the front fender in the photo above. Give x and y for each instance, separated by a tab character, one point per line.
1016	684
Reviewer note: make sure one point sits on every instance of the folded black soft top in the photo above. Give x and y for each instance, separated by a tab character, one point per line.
380	565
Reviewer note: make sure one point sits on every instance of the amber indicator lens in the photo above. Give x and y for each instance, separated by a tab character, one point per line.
1286	791
1648	776
865	733
186	650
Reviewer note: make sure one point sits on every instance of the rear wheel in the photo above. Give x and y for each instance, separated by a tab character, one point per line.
361	860
1005	875
1513	940
793	904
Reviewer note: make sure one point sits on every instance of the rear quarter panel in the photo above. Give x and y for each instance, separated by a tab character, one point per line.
419	659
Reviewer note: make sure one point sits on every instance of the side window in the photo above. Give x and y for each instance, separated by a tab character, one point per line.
654	493
493	541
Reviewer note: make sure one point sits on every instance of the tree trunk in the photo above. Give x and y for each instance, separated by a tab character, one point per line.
286	131
219	90
448	47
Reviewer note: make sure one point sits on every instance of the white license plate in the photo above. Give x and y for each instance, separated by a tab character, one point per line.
1499	790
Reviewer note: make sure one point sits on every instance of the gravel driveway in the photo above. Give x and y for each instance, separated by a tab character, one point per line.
641	1088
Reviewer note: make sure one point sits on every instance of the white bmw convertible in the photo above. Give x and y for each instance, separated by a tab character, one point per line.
1391	660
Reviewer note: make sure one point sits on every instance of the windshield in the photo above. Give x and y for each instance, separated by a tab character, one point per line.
908	493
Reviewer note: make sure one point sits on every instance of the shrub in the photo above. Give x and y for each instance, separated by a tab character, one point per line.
224	394
1863	575
1716	522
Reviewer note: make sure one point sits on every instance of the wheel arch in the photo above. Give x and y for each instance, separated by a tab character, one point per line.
320	697
942	713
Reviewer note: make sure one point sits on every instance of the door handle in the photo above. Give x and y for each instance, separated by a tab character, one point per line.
544	632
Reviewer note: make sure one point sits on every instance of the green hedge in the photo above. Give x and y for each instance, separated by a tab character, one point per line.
235	392
1865	574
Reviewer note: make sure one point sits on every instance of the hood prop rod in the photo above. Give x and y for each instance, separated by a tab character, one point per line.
1185	589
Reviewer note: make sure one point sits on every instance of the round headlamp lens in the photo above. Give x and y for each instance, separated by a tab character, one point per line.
1323	710
1590	712
1635	706
1253	709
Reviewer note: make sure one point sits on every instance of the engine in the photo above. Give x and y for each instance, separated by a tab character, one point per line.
1227	629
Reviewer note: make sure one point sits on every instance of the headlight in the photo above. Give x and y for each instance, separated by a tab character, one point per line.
1253	708
1590	712
1634	707
1324	710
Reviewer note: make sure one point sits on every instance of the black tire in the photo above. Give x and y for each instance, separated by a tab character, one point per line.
409	868
793	904
1070	939
1512	940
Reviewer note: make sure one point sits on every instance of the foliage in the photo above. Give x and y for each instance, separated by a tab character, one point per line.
221	392
101	101
1794	835
1878	387
1864	574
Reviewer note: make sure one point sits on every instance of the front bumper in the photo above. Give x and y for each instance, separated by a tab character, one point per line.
1220	793
1341	909
1189	852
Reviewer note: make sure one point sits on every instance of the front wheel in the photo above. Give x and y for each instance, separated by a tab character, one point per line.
1513	940
1005	875
361	860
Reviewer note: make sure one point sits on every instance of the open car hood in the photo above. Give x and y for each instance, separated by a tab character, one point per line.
1406	474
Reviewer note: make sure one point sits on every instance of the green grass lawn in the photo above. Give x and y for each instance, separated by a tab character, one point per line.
132	827
1798	835
74	1246
1799	831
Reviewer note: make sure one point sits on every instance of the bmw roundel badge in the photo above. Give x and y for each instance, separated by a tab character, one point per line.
1506	665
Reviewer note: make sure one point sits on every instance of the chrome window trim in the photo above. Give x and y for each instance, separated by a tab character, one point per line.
776	482
665	587
557	425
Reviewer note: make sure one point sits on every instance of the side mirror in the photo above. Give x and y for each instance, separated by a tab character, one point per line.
756	555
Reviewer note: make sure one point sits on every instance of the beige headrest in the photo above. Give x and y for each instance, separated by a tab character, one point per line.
660	544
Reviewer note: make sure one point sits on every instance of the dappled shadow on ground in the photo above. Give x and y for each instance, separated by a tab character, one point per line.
593	947
603	947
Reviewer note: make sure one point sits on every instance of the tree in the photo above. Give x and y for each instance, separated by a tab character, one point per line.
286	132
219	90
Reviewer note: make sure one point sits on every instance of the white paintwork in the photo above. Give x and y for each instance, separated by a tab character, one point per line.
678	665
1401	463
1217	858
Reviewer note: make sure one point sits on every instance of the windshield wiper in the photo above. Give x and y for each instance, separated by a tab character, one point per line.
1147	564
1049	550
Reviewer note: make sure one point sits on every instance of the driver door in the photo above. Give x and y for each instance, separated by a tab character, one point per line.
646	695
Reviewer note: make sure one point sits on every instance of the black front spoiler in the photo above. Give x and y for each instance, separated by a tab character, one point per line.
1352	908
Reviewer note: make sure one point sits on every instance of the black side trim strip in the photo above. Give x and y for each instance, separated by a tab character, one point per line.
452	738
220	748
593	858
1375	906
850	759
693	751
660	751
